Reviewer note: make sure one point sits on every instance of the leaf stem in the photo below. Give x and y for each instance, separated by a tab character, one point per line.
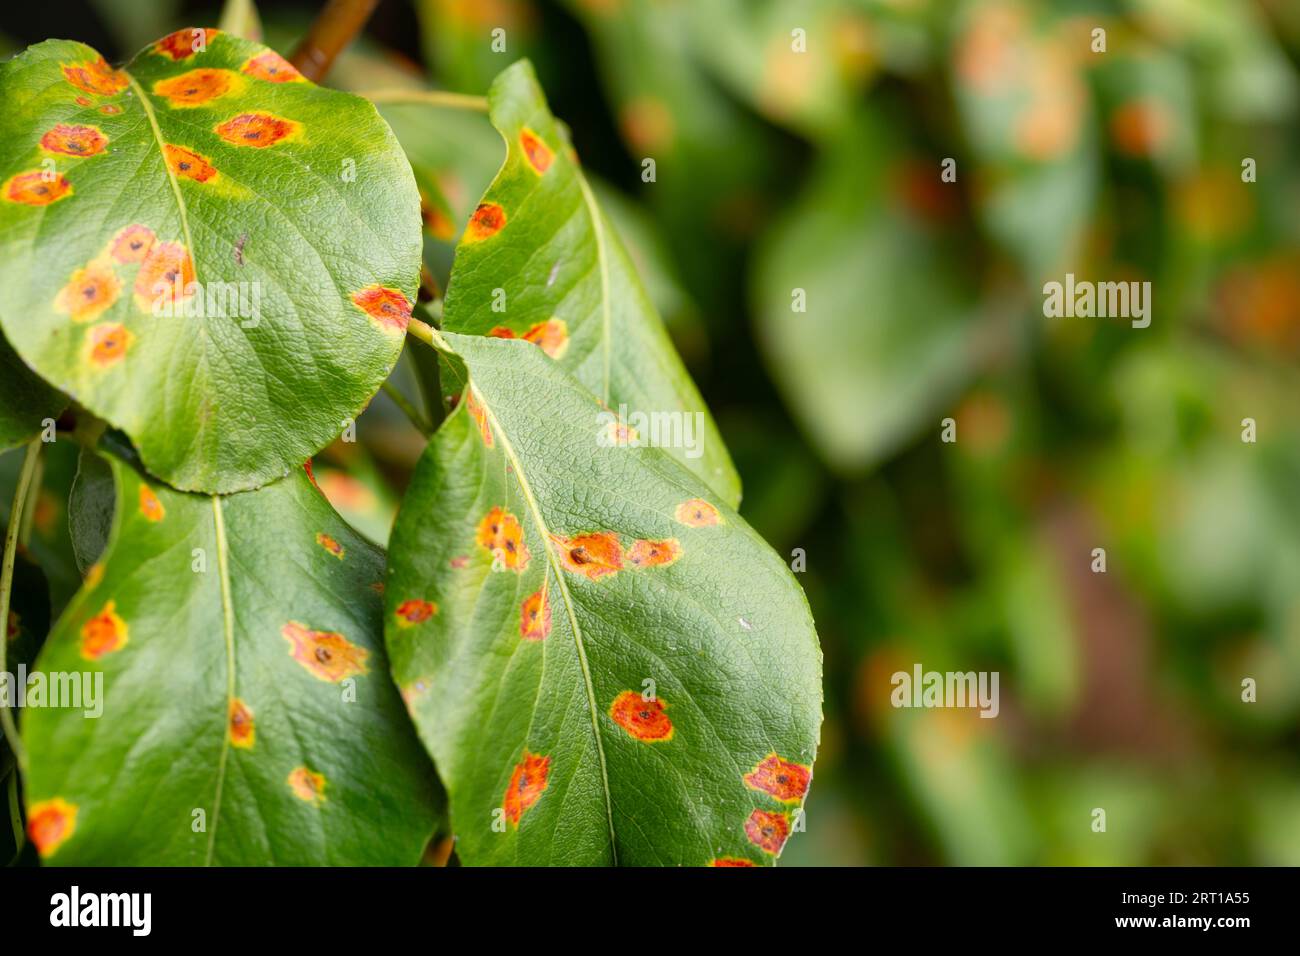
12	532
15	815
333	29
427	334
444	98
411	412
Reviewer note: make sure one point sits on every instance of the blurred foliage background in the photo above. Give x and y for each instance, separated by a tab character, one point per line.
819	170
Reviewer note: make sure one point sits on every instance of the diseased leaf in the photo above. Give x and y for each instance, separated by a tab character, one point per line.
203	248
637	681
25	400
247	713
540	261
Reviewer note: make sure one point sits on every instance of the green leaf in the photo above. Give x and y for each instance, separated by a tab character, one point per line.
541	261
644	583
852	246
240	18
25	400
91	506
284	238
238	640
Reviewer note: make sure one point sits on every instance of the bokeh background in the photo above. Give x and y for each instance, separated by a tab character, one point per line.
778	170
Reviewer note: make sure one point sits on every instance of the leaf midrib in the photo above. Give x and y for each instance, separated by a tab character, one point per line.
535	511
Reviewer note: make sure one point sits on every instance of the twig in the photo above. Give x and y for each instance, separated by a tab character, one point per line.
335	26
12	532
454	101
411	412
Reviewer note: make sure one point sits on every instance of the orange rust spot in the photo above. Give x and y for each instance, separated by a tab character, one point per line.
551	336
195	87
242	730
272	67
460	561
71	140
415	611
501	332
697	513
103	634
35	188
594	555
150	506
166	277
183	44
330	545
1141	127
89	292
654	554
502	536
647	124
768	831
307	786
538	154
132	244
526	786
108	343
477	412
82	101
487	220
258	130
786	781
110	109
95	76
329	656
643	719
50	823
535	616
188	164
388	307
731	861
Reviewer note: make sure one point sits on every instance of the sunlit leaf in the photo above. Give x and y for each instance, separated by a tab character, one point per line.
638	681
247	712
202	248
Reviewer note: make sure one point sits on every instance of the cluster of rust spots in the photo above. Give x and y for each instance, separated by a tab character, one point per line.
502	536
783	779
327	655
272	67
551	336
50	823
732	861
150	506
653	554
257	130
387	307
486	221
36	188
527	783
644	720
69	139
768	830
538	154
103	634
479	414
183	44
188	164
307	785
595	555
697	513
95	76
196	87
415	611
242	728
330	544
535	616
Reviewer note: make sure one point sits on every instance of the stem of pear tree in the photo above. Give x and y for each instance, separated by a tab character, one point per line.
455	101
333	29
409	410
12	532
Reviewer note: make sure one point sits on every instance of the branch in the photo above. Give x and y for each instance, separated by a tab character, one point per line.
337	24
